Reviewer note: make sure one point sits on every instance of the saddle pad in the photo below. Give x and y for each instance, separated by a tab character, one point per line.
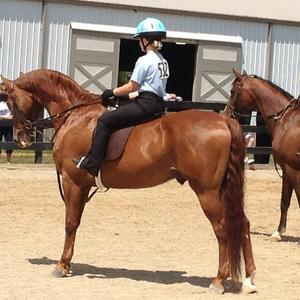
117	143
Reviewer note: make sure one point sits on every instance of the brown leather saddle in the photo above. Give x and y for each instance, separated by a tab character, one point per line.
117	143
118	140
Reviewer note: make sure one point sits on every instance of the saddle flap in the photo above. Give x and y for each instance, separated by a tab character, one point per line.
117	143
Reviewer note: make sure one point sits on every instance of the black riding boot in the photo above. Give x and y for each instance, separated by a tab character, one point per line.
92	161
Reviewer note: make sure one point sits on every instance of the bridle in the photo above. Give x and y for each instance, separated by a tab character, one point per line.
30	127
19	115
275	116
232	106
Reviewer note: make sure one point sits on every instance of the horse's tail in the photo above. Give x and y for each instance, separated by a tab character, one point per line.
233	197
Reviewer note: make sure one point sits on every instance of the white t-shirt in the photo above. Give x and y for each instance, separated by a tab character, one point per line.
4	110
151	72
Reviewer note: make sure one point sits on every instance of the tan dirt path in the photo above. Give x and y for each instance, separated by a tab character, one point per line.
151	244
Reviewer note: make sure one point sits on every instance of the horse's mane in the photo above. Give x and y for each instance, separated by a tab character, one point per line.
282	91
58	81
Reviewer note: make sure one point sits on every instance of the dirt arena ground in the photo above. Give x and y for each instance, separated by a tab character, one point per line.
135	244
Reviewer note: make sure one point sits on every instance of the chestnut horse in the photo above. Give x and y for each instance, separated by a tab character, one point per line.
281	113
204	148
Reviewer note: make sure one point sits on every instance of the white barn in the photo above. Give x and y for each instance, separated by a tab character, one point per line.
91	40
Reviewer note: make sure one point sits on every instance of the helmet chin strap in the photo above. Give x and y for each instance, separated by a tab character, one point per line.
145	46
157	44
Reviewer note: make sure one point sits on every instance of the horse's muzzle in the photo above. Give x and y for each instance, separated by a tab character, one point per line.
23	140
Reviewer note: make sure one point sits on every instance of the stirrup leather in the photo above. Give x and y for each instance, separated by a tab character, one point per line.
99	183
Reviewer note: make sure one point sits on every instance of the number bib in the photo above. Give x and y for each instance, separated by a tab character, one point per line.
163	68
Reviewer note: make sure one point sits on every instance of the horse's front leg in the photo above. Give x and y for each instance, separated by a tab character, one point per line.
75	199
286	194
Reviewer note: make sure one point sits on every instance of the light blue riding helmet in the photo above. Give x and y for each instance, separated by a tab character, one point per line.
151	28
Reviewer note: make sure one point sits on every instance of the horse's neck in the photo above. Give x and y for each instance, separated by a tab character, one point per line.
57	101
57	97
270	103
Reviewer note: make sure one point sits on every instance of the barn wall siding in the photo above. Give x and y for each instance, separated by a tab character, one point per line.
22	37
20	24
254	34
286	57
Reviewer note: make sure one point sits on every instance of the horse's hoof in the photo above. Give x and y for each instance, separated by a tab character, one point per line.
216	289
248	285
275	237
59	273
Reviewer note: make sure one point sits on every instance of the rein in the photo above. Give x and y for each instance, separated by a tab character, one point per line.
31	127
40	122
44	123
276	167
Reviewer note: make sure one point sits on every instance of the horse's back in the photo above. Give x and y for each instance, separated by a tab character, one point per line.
188	127
188	144
205	125
203	132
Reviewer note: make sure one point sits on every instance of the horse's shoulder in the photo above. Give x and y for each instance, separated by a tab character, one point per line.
78	126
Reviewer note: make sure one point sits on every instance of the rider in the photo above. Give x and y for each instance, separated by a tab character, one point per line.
147	84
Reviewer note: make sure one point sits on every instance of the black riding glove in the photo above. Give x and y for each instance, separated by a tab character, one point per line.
107	94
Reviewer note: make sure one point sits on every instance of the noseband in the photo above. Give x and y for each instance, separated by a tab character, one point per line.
27	124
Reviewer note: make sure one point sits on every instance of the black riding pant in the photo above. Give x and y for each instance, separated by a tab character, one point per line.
145	107
7	133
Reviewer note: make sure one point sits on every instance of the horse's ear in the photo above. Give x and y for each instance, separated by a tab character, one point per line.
8	84
245	73
21	74
237	74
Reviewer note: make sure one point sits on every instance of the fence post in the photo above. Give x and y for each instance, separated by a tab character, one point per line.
38	157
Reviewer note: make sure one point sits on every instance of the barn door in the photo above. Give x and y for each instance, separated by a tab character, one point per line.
94	60
214	74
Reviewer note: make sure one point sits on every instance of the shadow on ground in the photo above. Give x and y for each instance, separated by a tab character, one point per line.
161	277
284	238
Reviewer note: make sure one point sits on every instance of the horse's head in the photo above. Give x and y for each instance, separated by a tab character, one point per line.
25	109
241	97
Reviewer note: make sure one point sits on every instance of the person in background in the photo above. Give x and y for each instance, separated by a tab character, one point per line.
6	130
146	89
250	139
250	142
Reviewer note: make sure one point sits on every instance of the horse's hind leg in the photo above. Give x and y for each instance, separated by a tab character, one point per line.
75	199
286	194
212	207
248	284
